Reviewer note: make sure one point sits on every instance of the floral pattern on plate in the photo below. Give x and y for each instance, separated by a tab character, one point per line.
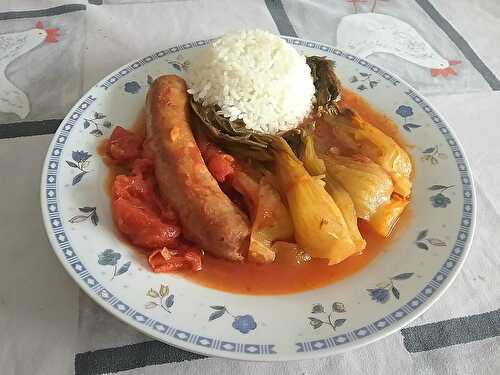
327	318
86	213
382	293
440	200
405	112
161	298
242	323
109	257
80	162
433	154
423	242
98	122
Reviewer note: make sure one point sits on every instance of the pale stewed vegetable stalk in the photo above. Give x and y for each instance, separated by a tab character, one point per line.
365	139
320	228
370	189
346	206
270	218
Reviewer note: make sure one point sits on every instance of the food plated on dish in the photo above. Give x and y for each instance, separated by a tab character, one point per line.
260	158
346	209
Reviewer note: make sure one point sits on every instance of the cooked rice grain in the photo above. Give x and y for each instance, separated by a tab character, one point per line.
254	76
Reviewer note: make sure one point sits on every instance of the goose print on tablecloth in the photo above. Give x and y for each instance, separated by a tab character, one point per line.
12	46
365	34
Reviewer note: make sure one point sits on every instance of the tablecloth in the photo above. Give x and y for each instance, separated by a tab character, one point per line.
47	326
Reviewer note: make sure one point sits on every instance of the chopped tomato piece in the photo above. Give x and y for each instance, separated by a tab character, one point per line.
139	215
194	259
132	187
166	260
142	166
142	226
221	166
124	145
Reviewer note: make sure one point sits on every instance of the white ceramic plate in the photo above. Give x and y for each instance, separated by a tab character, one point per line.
400	284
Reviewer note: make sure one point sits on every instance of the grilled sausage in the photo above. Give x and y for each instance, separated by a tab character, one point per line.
207	215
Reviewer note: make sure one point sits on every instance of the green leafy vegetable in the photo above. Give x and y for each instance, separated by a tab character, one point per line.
233	135
328	88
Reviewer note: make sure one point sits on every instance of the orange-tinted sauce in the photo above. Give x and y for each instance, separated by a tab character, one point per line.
369	114
276	278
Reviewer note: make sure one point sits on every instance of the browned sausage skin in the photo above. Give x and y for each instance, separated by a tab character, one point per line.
208	216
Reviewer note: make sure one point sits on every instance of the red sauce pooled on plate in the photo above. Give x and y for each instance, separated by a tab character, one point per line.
286	277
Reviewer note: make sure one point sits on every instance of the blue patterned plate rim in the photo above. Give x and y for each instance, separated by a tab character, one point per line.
248	351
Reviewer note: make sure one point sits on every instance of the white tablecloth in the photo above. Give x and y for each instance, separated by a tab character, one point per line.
48	327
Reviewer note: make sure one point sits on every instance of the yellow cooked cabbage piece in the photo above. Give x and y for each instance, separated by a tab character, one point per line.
367	183
346	206
386	217
271	220
320	228
364	138
313	164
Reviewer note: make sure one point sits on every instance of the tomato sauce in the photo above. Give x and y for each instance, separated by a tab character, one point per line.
138	211
283	278
369	114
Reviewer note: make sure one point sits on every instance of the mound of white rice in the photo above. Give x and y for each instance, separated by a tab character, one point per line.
254	76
